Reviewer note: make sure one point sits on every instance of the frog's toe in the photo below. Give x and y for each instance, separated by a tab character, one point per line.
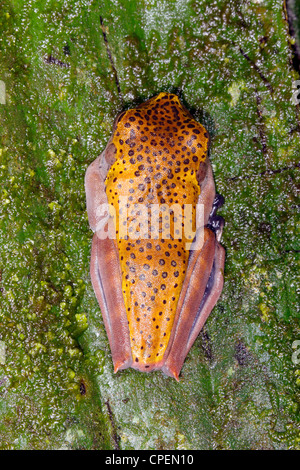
122	364
216	224
171	371
218	201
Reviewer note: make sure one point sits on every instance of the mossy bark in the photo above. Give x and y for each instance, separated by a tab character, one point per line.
69	67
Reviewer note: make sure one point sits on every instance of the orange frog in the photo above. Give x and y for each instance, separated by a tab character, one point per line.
156	281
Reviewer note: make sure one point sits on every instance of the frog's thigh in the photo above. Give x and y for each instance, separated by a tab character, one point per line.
196	301
107	282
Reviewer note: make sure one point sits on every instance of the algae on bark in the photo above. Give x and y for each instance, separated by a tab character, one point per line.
67	75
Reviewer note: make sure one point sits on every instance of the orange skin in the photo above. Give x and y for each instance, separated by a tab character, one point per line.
154	293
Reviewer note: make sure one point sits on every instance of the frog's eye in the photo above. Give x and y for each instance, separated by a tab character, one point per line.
118	119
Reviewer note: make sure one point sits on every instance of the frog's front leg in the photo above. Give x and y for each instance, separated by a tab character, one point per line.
105	269
200	291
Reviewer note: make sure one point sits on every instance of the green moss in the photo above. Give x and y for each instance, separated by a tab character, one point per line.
231	65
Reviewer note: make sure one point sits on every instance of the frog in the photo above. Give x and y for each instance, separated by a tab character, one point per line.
155	289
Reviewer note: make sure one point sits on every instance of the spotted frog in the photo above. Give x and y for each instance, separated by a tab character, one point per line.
156	283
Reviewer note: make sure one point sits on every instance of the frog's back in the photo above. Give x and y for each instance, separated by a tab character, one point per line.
160	150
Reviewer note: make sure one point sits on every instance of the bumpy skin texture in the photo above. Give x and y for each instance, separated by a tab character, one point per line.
154	293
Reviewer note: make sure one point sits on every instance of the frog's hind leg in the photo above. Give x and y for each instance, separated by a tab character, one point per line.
107	283
105	264
203	281
200	291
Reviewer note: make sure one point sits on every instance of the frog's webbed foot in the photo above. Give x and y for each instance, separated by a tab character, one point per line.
216	222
